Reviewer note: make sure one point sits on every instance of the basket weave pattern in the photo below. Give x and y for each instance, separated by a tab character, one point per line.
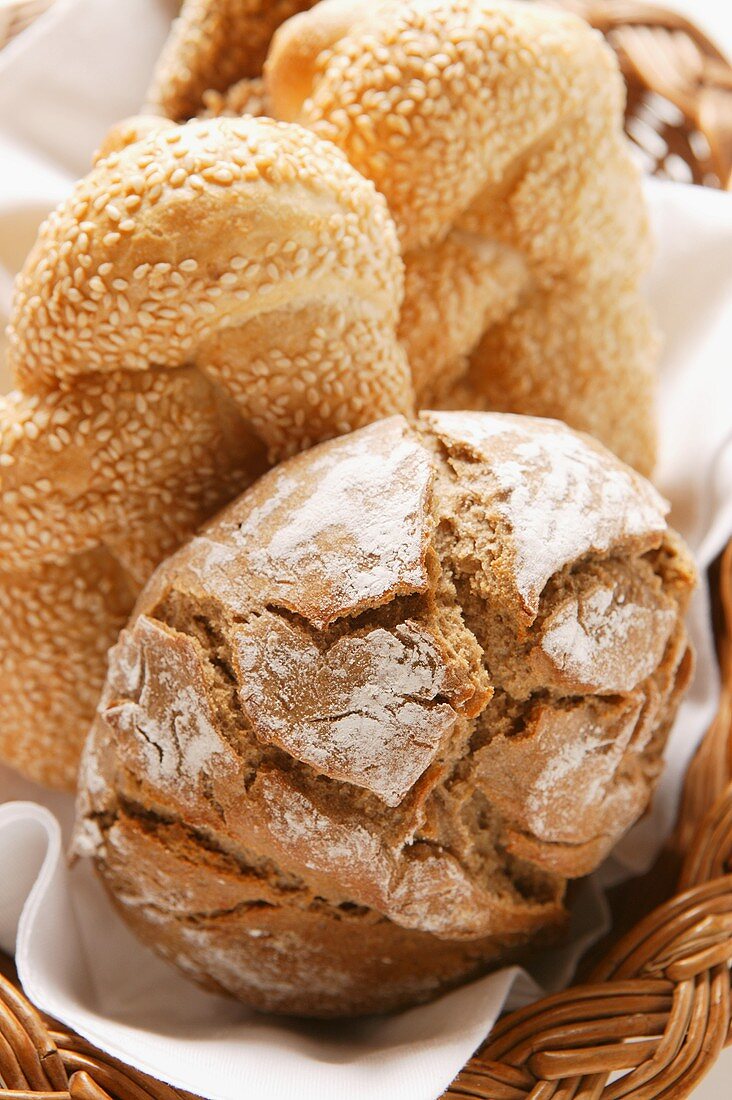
679	111
655	1012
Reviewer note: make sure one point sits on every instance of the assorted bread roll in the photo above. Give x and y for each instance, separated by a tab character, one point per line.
494	129
359	731
209	299
217	295
362	729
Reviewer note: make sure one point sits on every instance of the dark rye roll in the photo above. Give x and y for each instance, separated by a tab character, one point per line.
361	731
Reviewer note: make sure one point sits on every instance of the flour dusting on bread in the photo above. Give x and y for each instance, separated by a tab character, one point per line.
366	711
560	495
352	533
392	699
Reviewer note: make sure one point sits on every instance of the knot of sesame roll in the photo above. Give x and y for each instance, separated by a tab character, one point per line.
211	298
494	129
248	247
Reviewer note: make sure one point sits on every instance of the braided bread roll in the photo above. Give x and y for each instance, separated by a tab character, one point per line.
501	122
494	129
210	299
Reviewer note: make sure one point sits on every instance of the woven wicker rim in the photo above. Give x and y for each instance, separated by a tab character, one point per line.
656	1009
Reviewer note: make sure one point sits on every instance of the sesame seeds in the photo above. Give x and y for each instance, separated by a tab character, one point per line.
122	439
502	123
100	316
164	316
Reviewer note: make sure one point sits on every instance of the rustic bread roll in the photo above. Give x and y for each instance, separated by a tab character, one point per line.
210	298
494	129
362	729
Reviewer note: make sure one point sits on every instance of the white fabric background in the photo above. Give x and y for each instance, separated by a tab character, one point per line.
713	16
62	83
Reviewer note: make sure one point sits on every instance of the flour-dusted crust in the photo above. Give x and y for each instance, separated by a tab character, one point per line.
562	781
222	929
408	684
558	495
160	710
581	641
209	299
347	534
365	712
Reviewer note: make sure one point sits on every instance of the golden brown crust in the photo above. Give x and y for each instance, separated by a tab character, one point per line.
223	929
410	682
209	299
246	97
453	292
601	344
475	113
505	121
175	242
128	132
99	483
89	465
501	121
58	623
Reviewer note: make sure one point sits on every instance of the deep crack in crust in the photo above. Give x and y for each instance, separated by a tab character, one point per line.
361	731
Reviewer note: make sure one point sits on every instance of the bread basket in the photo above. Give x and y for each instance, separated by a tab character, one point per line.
656	1006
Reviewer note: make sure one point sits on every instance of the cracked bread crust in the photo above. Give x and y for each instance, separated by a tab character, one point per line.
363	728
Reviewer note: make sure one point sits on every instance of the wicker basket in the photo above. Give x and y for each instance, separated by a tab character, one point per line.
656	1009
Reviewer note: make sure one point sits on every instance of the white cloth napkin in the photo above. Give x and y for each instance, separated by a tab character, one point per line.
85	64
